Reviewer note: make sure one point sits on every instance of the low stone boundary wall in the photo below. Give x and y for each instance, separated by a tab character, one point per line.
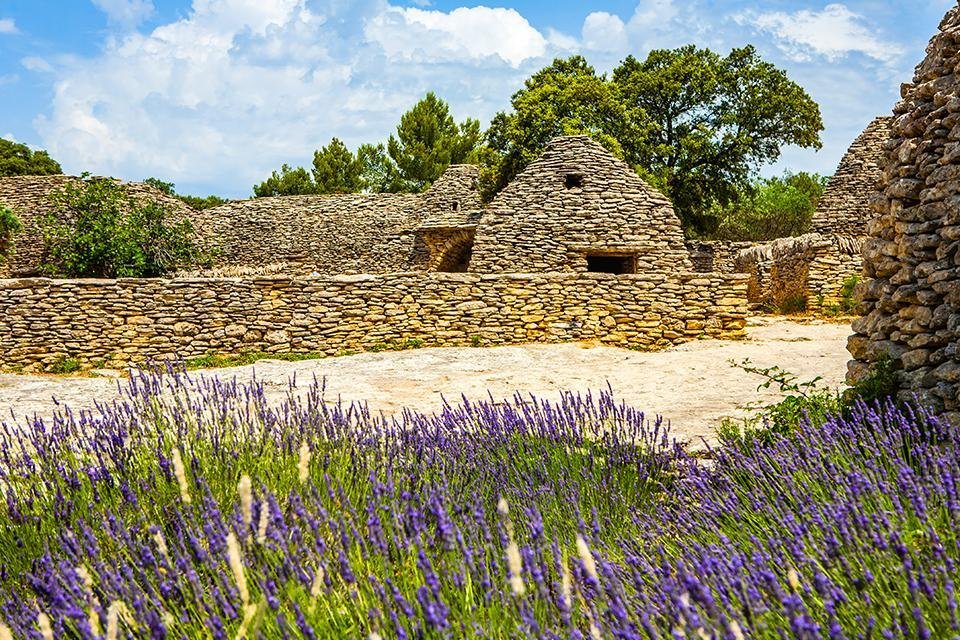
113	322
807	271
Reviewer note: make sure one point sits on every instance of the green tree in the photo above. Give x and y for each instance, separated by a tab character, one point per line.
18	160
427	141
714	120
773	208
195	202
9	226
565	98
288	182
379	173
96	229
336	169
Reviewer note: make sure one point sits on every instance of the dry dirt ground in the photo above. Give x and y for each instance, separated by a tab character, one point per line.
692	386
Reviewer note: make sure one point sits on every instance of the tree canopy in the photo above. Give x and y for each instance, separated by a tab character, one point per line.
427	140
19	160
713	122
197	202
565	98
695	124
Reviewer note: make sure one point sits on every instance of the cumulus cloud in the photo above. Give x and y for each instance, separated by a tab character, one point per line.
464	33
218	98
603	31
832	33
8	26
127	13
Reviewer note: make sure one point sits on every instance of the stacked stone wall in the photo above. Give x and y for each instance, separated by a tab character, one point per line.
911	297
809	271
119	321
716	255
845	207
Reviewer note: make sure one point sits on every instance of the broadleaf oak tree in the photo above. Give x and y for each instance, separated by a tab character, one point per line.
713	122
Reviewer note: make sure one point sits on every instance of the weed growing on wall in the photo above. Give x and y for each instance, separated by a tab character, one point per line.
9	226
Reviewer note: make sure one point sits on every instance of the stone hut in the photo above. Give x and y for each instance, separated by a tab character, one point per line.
911	296
844	208
452	209
578	208
29	198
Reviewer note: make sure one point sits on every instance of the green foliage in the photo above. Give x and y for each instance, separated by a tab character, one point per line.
336	169
565	98
9	226
288	182
219	361
196	202
379	175
799	401
848	299
773	208
64	366
880	384
712	121
428	140
18	160
96	229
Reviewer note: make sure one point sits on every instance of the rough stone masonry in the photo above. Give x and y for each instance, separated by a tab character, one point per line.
911	296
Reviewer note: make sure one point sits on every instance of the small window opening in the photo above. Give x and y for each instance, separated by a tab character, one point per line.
574	181
456	205
607	263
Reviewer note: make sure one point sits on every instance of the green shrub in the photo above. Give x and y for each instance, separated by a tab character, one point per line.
64	366
848	301
880	384
96	229
9	225
773	208
800	401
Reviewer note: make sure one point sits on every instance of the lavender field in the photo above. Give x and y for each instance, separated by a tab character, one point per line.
194	509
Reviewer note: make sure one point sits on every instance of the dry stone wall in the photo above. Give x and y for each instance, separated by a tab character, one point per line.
574	200
911	299
716	255
119	321
807	272
845	207
29	198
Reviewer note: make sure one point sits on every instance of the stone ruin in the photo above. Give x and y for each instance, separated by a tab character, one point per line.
911	295
577	247
814	271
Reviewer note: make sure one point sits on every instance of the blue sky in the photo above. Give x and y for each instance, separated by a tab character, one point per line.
213	94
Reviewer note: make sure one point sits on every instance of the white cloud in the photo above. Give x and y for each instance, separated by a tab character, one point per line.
603	31
33	63
832	33
653	13
464	33
8	26
127	13
219	98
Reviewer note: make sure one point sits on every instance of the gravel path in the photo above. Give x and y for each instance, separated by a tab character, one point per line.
692	385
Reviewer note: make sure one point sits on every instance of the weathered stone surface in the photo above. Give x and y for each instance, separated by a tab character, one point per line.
90	320
844	208
913	294
575	200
